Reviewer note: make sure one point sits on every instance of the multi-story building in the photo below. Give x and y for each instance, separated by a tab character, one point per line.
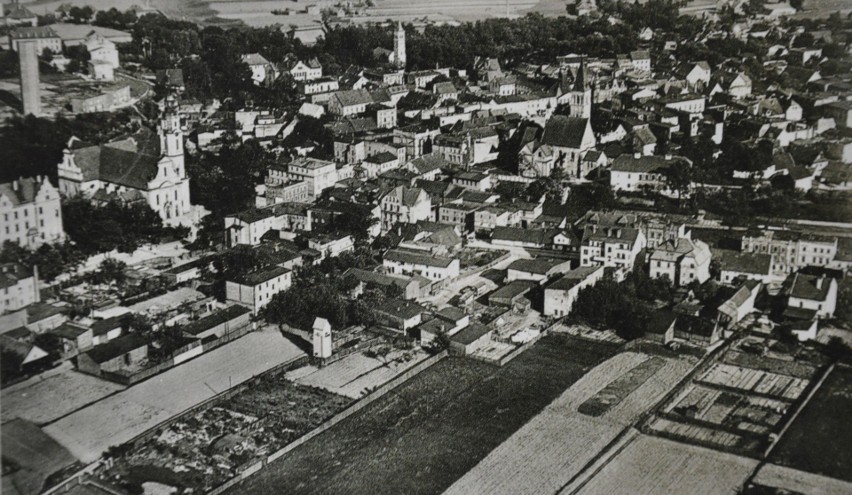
305	71
636	172
102	49
31	212
405	262
559	296
569	138
18	287
816	293
255	290
611	246
404	205
44	36
791	250
320	174
683	261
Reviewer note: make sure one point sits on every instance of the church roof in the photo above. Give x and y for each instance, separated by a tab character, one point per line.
130	162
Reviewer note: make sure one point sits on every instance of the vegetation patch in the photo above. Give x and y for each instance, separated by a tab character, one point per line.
612	395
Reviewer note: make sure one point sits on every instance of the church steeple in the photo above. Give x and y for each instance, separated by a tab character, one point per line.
580	98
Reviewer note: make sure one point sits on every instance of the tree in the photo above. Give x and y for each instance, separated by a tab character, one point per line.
10	365
679	178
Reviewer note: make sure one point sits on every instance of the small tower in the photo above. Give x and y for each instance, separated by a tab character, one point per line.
580	96
322	338
399	58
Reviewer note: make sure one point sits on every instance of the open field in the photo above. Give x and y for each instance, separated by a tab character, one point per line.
820	439
547	452
51	395
651	465
353	375
120	417
203	450
432	429
29	457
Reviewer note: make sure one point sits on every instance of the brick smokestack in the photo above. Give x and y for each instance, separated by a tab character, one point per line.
30	91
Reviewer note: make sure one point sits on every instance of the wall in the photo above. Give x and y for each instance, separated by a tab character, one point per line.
256	466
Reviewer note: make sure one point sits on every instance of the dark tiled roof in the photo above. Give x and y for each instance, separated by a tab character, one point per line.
538	266
12	273
130	162
117	347
403	309
470	334
564	131
416	258
217	318
646	164
25	192
745	262
259	277
810	287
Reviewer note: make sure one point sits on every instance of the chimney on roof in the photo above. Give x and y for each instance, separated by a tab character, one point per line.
15	185
668	156
618	233
819	282
637	155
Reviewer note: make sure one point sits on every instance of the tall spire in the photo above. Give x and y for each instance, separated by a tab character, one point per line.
399	57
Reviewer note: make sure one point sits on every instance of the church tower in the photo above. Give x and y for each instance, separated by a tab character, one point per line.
399	58
171	134
580	96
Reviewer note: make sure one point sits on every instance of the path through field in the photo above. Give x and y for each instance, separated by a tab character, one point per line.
118	418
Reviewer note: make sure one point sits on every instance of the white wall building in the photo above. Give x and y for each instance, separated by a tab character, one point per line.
31	213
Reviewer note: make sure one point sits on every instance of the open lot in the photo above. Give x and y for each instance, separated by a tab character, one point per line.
355	374
51	395
651	465
120	417
434	428
553	447
820	439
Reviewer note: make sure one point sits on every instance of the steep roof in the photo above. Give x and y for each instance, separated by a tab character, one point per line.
22	190
12	273
131	161
563	131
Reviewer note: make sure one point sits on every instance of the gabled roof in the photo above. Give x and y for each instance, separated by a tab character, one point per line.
22	190
117	347
217	318
33	33
470	334
131	161
566	132
254	59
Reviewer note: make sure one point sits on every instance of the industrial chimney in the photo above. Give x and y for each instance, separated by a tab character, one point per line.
30	91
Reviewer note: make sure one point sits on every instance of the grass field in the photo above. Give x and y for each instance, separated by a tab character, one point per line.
547	452
820	439
651	465
432	429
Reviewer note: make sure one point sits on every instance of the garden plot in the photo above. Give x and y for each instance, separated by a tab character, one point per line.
204	450
762	382
650	465
554	446
749	414
356	374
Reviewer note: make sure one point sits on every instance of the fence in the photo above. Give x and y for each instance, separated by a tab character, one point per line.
256	466
180	356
